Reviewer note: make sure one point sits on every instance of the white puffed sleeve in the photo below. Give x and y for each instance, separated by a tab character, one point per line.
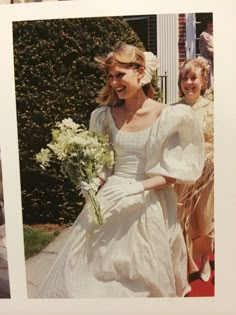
176	145
99	123
98	120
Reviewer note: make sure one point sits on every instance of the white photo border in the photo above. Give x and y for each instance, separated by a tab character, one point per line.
224	301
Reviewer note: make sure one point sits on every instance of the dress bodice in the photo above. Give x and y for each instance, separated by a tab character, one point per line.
205	114
204	111
130	150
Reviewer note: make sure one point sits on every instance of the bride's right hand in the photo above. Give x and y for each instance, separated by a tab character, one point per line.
85	187
119	191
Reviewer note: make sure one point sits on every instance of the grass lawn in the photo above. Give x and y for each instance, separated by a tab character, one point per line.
36	237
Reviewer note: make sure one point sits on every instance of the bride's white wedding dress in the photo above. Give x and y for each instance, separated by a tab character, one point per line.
139	251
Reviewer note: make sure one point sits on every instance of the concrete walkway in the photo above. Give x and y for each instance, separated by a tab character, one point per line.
38	265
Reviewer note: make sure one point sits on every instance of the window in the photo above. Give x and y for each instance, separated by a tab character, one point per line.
139	24
200	26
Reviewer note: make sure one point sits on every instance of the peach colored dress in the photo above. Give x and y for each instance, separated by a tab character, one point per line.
196	202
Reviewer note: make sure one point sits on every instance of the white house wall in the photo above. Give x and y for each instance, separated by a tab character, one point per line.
167	52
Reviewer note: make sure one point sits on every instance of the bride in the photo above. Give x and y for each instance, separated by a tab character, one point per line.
139	251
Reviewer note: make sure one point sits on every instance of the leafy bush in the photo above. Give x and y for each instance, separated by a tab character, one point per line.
56	77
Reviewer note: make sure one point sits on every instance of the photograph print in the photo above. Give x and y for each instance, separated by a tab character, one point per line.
115	138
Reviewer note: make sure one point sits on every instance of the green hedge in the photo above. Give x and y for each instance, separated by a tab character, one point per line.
56	77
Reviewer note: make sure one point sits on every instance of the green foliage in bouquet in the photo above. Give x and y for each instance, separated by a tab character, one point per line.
56	77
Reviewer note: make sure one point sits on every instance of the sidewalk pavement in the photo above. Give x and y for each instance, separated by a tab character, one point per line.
38	265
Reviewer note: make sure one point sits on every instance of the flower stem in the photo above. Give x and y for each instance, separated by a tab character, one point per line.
96	207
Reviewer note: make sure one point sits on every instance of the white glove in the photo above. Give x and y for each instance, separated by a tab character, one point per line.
116	192
85	187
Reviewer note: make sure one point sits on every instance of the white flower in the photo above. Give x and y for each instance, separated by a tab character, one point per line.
43	157
68	123
78	140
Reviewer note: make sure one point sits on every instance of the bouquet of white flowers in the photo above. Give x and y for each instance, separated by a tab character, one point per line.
82	153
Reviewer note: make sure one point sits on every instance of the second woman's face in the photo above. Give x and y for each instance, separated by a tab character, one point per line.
191	84
125	81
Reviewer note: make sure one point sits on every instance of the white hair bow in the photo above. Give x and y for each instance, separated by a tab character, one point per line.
151	66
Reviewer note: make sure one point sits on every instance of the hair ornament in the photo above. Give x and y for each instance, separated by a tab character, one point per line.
151	66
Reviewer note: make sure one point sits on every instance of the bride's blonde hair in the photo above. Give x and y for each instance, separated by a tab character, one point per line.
127	56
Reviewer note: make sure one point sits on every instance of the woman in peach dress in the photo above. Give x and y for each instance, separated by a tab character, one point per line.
196	202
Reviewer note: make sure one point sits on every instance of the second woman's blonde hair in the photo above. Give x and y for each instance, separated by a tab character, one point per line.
192	64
